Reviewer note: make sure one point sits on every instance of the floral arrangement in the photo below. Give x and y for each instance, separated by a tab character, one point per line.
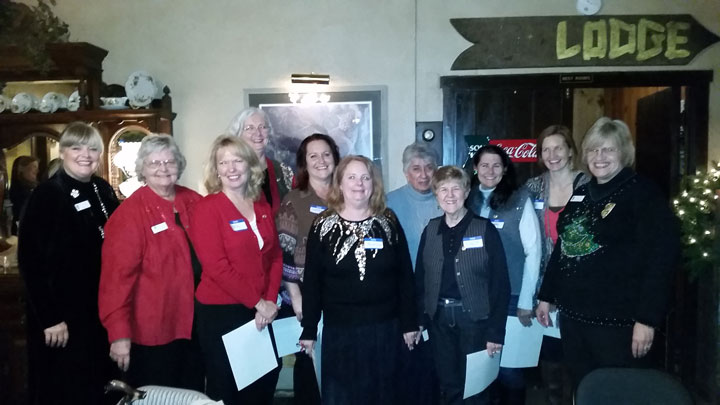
698	208
31	29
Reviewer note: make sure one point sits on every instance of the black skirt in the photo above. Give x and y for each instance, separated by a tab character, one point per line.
359	363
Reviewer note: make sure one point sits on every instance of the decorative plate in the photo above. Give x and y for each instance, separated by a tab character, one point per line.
140	89
52	102
24	102
73	103
4	103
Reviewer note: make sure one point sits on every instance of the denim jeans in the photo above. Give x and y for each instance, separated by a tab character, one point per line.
453	336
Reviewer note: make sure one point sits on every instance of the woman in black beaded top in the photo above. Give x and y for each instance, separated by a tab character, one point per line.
611	272
358	273
59	246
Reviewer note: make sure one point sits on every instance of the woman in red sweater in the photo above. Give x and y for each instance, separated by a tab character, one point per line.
234	233
149	274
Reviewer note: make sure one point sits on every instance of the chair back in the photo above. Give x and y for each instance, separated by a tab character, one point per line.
631	386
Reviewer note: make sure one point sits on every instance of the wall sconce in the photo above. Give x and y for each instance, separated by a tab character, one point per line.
309	82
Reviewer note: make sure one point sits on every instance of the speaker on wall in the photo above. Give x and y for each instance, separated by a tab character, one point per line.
430	134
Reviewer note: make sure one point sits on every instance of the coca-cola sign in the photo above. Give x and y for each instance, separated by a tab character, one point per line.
519	150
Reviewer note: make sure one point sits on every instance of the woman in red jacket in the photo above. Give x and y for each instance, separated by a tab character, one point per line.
234	233
149	273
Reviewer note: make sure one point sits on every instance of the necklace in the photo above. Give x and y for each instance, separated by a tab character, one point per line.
102	207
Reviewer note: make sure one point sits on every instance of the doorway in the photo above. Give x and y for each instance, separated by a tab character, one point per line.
667	113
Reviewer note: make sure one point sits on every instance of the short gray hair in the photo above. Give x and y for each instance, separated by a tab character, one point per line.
155	143
616	130
80	133
238	122
420	151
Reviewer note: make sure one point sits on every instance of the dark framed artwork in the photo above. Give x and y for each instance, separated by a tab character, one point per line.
352	118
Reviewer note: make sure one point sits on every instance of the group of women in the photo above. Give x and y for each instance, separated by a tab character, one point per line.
159	279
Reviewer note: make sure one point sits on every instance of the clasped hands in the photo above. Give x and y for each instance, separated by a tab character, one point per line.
266	311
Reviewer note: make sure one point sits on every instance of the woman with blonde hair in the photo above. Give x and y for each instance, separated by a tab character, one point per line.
233	232
612	269
358	274
59	247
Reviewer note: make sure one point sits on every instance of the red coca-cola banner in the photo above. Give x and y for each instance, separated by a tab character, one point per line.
519	150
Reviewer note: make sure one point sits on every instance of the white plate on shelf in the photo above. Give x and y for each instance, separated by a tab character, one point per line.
73	103
24	102
4	103
140	89
52	102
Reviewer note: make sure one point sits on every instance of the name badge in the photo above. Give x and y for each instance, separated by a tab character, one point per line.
316	209
499	223
159	227
82	205
539	204
373	243
473	242
425	335
577	198
238	225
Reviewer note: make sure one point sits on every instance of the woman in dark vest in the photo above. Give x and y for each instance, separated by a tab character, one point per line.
464	291
498	198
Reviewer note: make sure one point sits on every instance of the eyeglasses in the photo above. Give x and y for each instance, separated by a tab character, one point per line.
598	151
252	128
156	164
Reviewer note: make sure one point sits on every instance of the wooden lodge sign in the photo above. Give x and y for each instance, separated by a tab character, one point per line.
619	40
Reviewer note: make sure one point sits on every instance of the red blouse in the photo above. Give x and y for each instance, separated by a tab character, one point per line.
146	285
235	269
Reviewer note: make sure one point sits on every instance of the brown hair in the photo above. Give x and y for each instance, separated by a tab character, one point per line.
450	173
302	177
335	198
563	131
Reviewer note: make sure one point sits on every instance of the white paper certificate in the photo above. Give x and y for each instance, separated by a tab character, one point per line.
522	344
287	335
481	370
250	353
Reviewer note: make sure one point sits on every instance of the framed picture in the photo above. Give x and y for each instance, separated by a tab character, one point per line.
352	118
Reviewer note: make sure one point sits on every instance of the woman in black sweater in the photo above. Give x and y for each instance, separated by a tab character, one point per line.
611	271
358	274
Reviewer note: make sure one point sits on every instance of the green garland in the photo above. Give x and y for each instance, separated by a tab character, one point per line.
697	208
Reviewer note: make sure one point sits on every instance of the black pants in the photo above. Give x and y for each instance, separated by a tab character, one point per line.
177	364
587	347
417	382
453	336
213	321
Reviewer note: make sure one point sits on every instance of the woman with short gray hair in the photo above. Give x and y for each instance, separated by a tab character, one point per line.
149	275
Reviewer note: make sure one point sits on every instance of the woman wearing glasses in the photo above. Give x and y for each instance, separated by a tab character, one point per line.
253	126
611	272
149	274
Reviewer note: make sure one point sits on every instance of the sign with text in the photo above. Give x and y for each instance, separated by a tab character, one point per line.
620	40
519	150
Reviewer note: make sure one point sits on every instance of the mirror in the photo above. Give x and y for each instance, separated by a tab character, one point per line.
122	152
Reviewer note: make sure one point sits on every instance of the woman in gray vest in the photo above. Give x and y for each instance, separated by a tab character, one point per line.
508	207
550	192
464	291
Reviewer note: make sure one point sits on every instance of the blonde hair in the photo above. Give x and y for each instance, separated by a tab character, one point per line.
608	129
335	198
450	173
241	149
80	133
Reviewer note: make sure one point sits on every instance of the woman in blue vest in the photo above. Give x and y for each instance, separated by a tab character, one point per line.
499	198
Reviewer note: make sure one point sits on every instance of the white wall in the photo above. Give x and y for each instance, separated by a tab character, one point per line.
209	51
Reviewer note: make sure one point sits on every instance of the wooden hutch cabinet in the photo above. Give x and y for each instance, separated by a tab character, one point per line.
76	66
